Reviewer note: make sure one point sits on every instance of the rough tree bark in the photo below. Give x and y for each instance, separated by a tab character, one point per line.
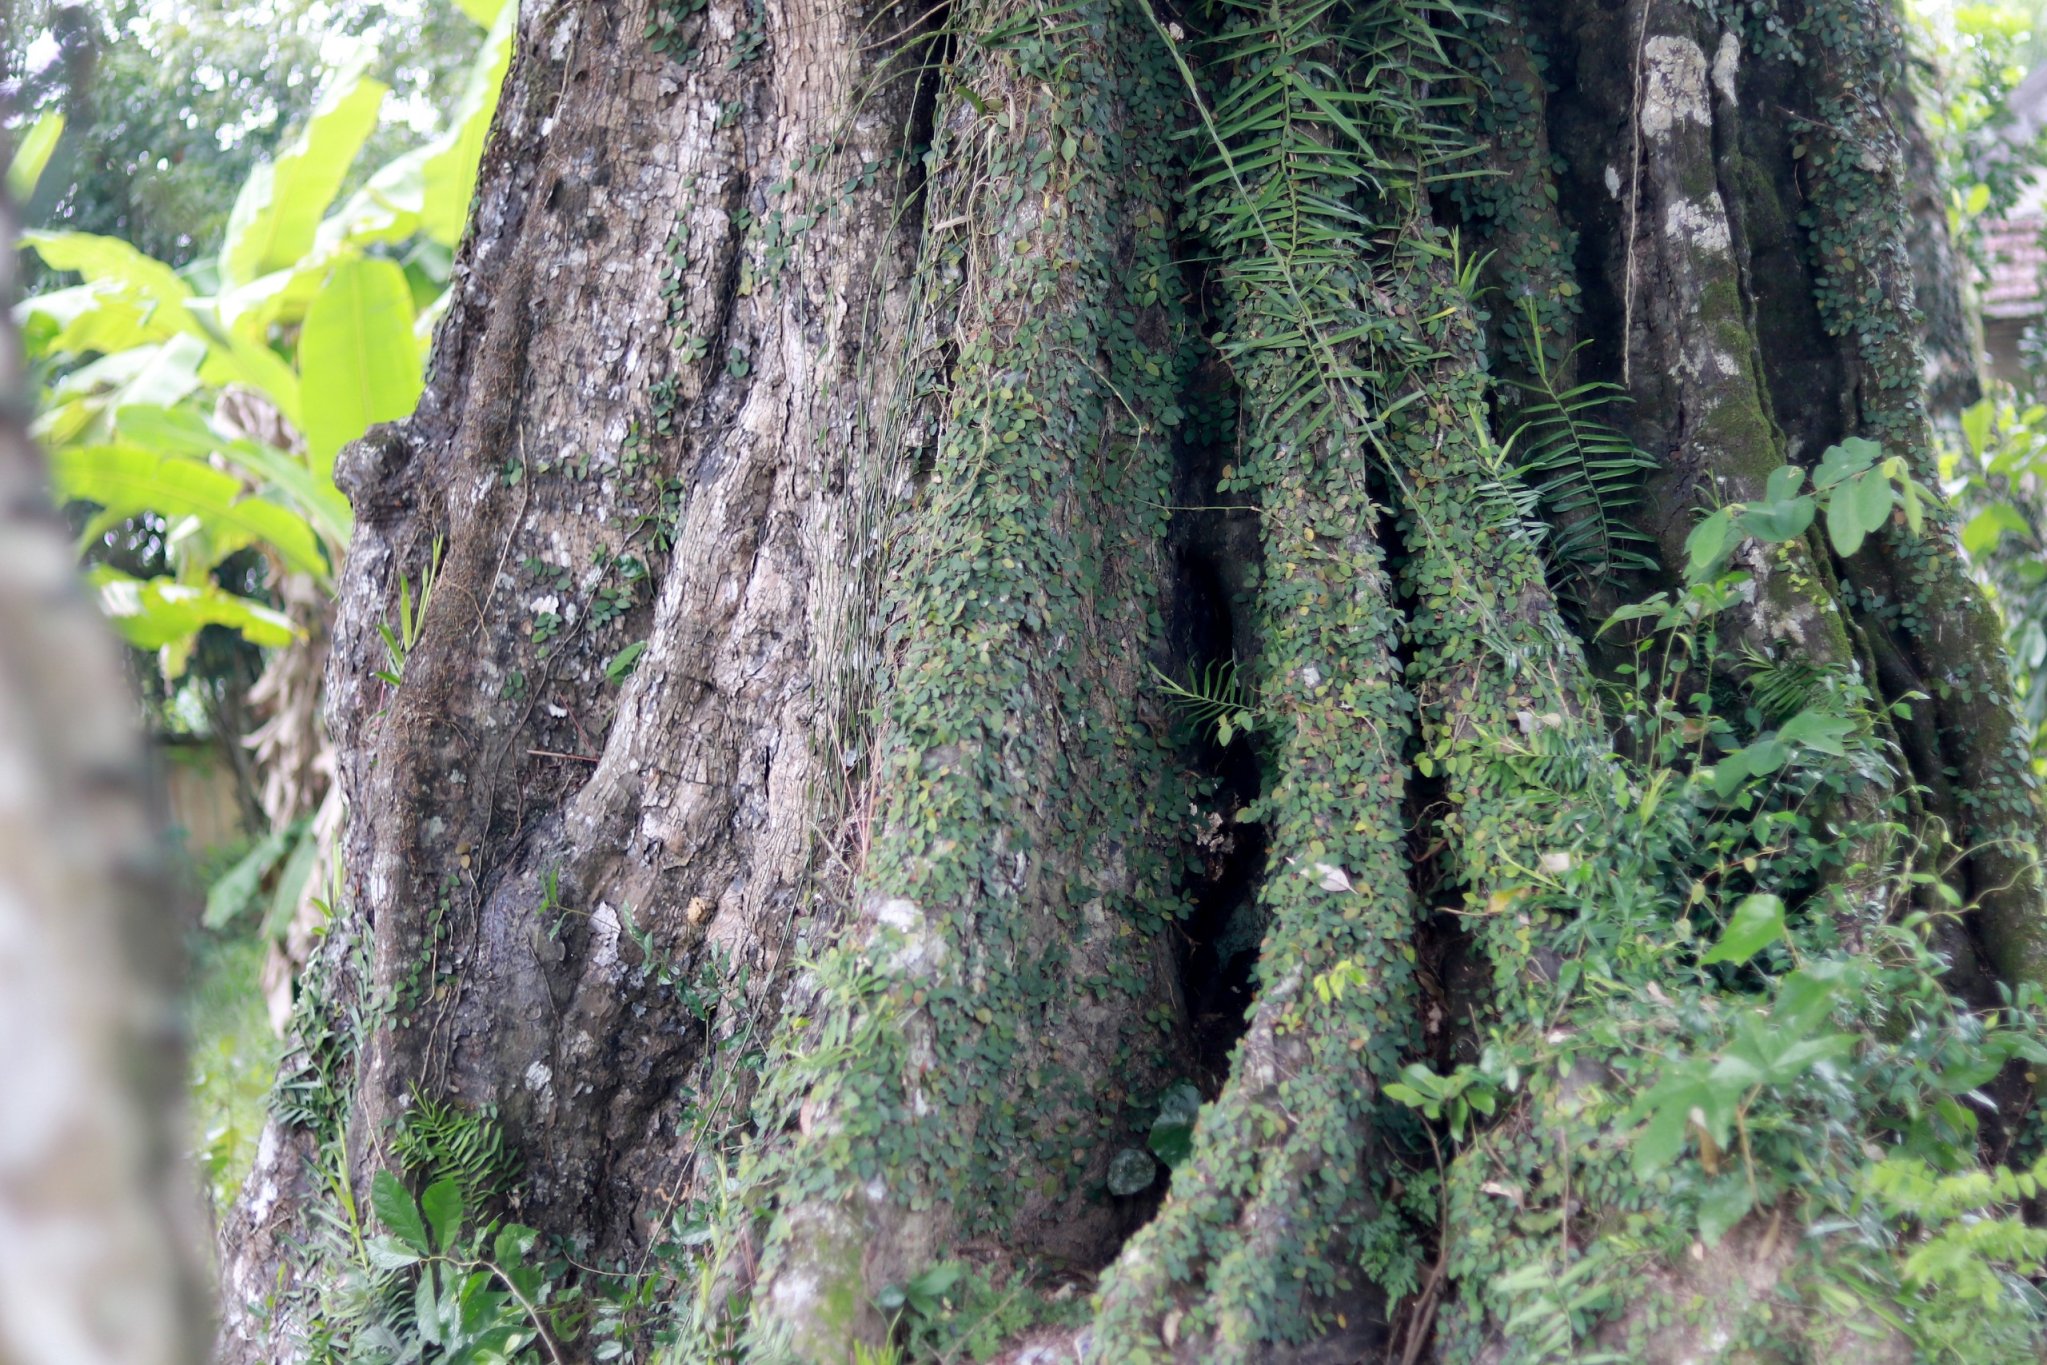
845	413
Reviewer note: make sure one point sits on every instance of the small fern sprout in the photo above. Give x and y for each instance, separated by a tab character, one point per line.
1213	698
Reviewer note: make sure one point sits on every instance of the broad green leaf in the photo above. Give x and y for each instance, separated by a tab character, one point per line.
513	1241
1760	759
164	614
358	363
82	404
927	1290
291	885
1857	509
106	317
1778	520
31	154
111	260
279	298
396	1211
428	1313
1818	731
178	432
1636	611
622	663
1976	421
232	358
429	188
278	211
388	1253
1783	483
234	889
1805	997
1800	1057
484	13
1725	1203
1850	457
1844	530
1982	531
1669	1108
1758	922
1708	542
443	1204
1172	1132
128	480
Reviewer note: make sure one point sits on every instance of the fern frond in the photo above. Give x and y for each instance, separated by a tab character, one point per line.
437	1141
1586	473
1213	699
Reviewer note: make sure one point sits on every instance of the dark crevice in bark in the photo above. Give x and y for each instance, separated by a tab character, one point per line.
933	34
1213	557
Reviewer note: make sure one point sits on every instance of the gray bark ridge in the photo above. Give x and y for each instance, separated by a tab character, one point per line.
651	417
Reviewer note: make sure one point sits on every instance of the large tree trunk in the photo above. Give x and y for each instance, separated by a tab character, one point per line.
780	828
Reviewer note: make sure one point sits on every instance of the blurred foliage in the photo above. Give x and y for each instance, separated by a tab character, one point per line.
1996	465
169	107
243	219
232	1052
199	409
1969	59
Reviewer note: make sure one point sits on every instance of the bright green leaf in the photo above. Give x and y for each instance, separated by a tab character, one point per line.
1725	1203
1778	520
127	480
1708	542
1819	731
1758	922
177	431
1982	531
1840	462
278	210
234	889
31	154
388	1253
358	363
162	613
443	1204
109	260
396	1211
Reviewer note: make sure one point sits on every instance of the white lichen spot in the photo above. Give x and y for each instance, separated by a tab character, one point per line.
1725	365
1613	182
794	1294
1674	90
1726	61
876	1191
1311	676
1555	864
1702	223
920	950
604	928
559	40
539	1076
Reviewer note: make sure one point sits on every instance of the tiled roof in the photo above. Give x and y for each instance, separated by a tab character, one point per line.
2017	265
